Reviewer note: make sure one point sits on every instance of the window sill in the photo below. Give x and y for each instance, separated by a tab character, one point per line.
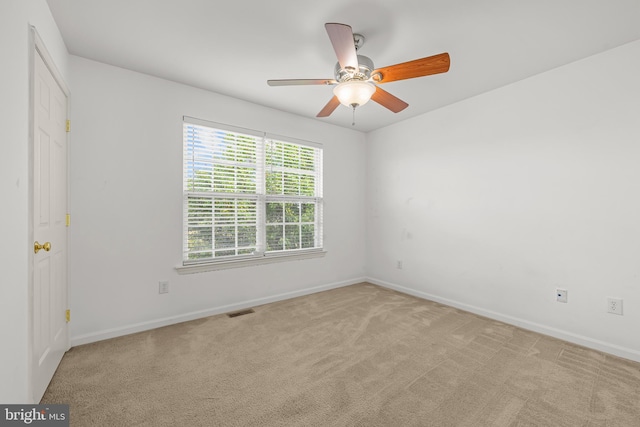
247	262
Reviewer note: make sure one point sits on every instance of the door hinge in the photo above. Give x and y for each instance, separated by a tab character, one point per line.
67	315
68	220
68	125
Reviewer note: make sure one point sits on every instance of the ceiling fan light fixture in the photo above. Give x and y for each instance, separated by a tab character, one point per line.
354	93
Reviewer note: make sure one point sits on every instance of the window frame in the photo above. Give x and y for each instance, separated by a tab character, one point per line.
263	256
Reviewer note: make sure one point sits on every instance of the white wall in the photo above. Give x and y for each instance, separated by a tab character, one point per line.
15	18
494	202
126	205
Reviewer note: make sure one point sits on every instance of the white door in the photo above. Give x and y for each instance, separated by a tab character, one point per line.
50	335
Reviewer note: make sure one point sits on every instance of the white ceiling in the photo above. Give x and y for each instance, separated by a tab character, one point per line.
234	47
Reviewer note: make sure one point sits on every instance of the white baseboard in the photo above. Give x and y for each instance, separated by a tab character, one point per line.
157	323
614	349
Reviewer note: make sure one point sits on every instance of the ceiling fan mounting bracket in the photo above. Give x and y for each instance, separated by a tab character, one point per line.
358	40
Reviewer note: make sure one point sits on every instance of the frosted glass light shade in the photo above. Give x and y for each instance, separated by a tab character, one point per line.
354	92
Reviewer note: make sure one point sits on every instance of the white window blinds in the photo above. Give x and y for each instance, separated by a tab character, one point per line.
247	194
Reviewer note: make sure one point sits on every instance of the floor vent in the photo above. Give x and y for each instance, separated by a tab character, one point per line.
240	313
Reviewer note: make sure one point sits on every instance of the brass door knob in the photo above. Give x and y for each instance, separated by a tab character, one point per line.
37	246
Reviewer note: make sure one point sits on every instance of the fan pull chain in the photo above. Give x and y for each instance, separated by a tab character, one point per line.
353	120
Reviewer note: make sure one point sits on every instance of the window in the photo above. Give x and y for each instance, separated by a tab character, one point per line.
248	195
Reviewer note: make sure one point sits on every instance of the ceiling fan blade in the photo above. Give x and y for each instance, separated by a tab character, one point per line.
341	37
389	101
296	82
328	109
435	64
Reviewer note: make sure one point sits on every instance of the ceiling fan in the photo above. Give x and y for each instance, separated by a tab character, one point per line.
356	79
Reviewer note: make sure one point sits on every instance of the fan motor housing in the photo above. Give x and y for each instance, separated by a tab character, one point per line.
365	67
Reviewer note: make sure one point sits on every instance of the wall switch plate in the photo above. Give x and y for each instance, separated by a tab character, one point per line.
163	287
561	295
399	264
614	305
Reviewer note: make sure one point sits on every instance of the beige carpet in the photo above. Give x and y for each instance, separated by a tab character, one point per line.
355	356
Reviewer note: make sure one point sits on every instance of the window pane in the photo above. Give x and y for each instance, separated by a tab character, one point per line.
246	211
201	179
246	152
223	148
274	212
225	237
274	182
199	211
225	253
307	185
275	241
199	239
246	236
199	255
291	156
224	211
308	212
307	235
291	184
307	158
292	212
273	153
224	179
246	180
292	236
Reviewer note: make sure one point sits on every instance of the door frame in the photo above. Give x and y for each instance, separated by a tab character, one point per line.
37	46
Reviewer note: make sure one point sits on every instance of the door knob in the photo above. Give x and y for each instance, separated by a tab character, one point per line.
37	246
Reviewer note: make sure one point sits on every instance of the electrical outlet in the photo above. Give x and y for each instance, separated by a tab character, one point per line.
163	287
561	295
614	305
399	264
